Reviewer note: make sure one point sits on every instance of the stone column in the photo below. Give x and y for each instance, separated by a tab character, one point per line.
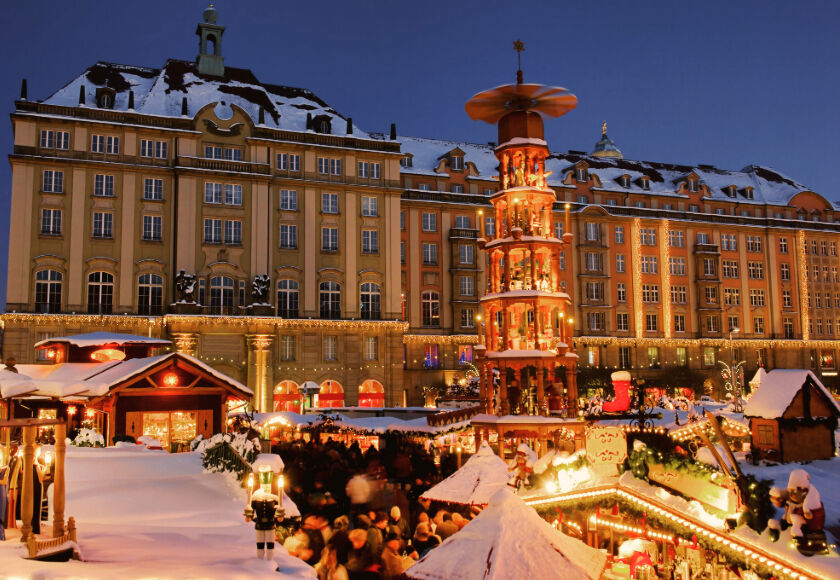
26	489
258	361
571	387
186	342
58	482
540	388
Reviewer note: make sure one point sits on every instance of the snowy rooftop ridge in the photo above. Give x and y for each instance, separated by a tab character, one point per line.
475	482
103	338
768	185
160	92
777	390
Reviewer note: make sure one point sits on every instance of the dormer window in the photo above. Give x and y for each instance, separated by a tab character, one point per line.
582	175
692	185
644	183
747	192
406	161
322	124
456	163
624	180
105	97
731	191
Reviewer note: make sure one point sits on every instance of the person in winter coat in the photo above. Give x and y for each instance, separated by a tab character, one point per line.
394	563
328	567
424	540
362	564
399	524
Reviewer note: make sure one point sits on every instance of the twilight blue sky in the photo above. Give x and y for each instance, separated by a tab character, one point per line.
727	83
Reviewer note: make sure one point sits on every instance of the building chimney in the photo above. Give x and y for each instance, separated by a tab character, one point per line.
308	121
393	131
23	90
130	100
82	95
349	125
261	120
184	107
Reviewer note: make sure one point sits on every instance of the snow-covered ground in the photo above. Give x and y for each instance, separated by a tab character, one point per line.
143	514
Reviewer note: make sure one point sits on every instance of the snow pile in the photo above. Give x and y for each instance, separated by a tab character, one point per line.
149	441
153	515
509	540
88	438
474	484
238	441
272	460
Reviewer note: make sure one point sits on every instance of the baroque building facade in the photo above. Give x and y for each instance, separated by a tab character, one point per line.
273	238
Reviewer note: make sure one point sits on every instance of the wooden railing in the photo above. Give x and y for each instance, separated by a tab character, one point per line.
226	456
36	546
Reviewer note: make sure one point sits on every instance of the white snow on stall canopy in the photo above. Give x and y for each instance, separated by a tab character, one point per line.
767	185
777	391
160	92
475	482
509	540
104	338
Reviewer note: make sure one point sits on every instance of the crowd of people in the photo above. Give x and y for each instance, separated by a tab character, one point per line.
363	516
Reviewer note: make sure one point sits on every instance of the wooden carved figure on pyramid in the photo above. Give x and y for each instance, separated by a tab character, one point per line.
521	467
621	384
804	513
265	507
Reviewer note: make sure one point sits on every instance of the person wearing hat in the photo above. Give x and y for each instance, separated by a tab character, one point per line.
424	540
266	511
393	562
376	533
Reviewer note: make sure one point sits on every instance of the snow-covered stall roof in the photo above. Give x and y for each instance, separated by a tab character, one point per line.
767	185
102	338
161	91
509	540
91	379
777	391
479	478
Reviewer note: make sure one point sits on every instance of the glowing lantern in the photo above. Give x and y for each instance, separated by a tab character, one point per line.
71	411
107	354
50	353
89	413
170	380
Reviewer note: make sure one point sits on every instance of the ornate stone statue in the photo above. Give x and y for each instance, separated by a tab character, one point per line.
185	286
259	289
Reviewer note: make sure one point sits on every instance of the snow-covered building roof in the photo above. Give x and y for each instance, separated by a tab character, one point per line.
103	338
509	539
754	184
161	91
92	379
479	478
777	391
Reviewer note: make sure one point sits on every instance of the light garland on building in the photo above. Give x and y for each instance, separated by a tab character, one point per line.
667	322
716	342
100	320
659	536
446	339
802	254
637	276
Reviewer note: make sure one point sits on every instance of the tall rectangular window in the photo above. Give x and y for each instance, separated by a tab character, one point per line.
233	194
592	232
650	293
288	200
732	296
371	348
649	265
729	242
429	254
53	181
152	228
651	322
330	348
288	346
233	232
212	192
709	267
55	139
103	185
619	263
152	189
97	143
329	203
212	231
370	206
161	149
783	245
756	270
147	148
619	234
466	286
429	222
288	236
467	318
622	321
679	294
681	356
465	254
370	242
676	238
103	224
329	239
648	236
50	222
677	266
679	323
621	292
624	357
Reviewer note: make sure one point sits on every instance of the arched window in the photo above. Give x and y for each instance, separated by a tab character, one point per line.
287	298
150	295
370	301
287	397
48	291
221	294
371	394
430	303
330	299
330	395
100	293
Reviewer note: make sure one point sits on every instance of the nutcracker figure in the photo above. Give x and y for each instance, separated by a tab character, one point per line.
804	513
265	509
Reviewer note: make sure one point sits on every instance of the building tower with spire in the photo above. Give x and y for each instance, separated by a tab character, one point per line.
527	331
210	60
